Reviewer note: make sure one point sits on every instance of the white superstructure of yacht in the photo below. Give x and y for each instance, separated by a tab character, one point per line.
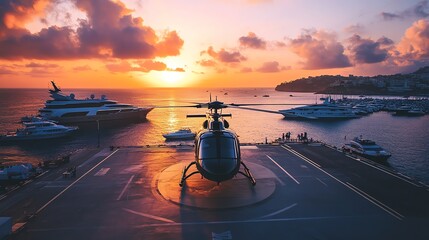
67	109
324	111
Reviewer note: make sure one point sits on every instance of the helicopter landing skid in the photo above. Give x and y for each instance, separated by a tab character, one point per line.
247	174
184	177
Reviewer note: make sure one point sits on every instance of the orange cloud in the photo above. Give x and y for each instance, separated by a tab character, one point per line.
14	14
109	32
140	66
224	56
271	67
415	43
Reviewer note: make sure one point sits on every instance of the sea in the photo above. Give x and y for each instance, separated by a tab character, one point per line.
405	137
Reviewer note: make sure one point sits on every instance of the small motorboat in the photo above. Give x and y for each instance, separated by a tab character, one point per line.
366	148
182	134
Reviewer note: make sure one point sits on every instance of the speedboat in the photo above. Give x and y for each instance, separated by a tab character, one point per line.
324	111
366	148
182	134
38	130
66	109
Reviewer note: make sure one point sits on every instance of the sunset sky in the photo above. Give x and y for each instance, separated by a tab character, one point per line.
206	43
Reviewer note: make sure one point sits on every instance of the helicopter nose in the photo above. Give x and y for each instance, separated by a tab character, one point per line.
220	166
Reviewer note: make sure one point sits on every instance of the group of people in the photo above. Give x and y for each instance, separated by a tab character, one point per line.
302	137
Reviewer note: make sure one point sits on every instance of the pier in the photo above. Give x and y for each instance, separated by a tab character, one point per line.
303	191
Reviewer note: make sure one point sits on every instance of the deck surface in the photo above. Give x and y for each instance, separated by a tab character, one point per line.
304	191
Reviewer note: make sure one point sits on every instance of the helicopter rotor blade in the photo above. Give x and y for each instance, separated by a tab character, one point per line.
179	106
196	115
255	109
266	104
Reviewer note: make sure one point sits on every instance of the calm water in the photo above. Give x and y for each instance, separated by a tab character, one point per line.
405	137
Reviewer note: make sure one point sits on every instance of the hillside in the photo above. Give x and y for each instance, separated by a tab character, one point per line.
416	83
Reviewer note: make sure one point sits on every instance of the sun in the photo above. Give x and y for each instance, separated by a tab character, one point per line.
172	78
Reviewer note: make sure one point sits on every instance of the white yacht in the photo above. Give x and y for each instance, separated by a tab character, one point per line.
182	134
38	130
324	111
366	148
67	109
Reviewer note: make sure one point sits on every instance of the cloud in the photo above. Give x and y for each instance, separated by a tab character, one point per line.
207	63
14	14
246	70
390	16
6	70
141	66
280	44
224	56
271	67
82	68
369	51
252	41
176	69
414	46
419	10
147	66
320	50
110	31
41	65
355	29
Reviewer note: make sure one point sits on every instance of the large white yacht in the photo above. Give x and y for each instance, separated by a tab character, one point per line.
366	148
66	109
324	111
38	130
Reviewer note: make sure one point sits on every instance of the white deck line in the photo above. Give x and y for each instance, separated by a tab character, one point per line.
366	196
73	183
283	169
125	188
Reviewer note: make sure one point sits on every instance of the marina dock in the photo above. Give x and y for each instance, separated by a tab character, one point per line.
303	191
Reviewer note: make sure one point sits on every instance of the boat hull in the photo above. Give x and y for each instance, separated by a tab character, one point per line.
301	117
138	115
14	138
168	137
374	157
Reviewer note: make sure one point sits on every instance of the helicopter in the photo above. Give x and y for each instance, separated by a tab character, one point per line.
217	148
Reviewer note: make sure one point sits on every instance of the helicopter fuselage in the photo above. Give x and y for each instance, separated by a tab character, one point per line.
217	154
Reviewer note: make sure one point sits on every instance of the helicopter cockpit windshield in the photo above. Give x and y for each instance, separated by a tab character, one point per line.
218	153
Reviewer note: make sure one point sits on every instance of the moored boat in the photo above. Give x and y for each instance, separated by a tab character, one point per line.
324	111
366	148
182	134
68	110
38	130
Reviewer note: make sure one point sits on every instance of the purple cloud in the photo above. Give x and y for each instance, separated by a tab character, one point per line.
369	51
320	50
252	41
